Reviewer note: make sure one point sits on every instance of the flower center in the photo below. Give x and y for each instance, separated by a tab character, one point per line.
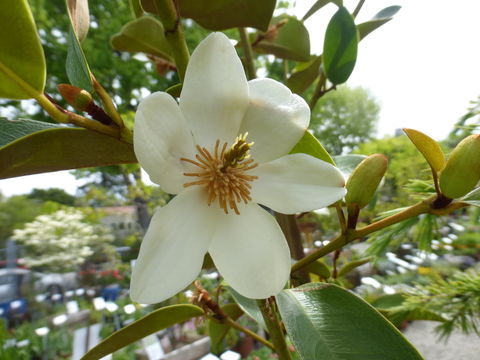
224	173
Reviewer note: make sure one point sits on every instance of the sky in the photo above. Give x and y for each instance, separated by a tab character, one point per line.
423	67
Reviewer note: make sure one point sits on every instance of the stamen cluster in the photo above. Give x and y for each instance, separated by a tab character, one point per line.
224	173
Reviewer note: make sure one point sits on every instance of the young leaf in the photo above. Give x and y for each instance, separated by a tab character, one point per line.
430	149
11	130
345	269
77	68
309	145
227	14
62	148
319	268
144	34
217	330
153	322
378	20
304	75
249	306
80	17
348	163
340	47
327	322
318	5
291	41
22	62
472	198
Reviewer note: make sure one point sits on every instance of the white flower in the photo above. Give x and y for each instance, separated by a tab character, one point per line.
198	150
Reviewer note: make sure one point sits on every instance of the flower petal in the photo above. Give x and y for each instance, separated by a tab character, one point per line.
275	120
172	251
214	96
297	183
161	138
251	253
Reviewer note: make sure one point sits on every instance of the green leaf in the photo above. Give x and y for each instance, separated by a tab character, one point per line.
144	34
327	322
80	17
174	90
249	307
378	20
291	41
304	75
348	163
227	14
153	322
62	148
319	268
77	68
11	130
218	330
309	145
318	5
472	198
353	264
430	149
340	47
22	62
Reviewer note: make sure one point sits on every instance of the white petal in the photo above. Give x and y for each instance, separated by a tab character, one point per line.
171	254
214	96
251	253
160	139
275	120
297	183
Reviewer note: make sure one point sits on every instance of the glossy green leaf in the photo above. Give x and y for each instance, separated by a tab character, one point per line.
291	41
227	14
318	5
249	307
340	47
348	163
144	34
472	198
309	144
22	62
378	20
304	75
153	322
62	148
327	322
218	330
80	17
353	265
430	149
77	68
11	130
319	268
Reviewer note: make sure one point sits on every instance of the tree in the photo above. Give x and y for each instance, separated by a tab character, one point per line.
53	194
345	118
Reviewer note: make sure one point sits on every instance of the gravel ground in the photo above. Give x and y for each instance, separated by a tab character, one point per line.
459	346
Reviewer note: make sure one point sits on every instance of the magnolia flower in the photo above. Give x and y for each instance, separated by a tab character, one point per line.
223	150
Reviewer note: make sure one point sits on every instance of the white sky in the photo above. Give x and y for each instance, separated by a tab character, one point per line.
423	67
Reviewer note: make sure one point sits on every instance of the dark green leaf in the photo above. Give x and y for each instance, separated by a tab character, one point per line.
291	41
153	322
304	75
11	130
348	163
309	144
353	264
62	149
340	47
218	330
144	34
378	20
174	90
227	14
249	306
327	322
22	62
78	71
318	5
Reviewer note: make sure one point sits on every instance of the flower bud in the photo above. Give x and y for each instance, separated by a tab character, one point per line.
364	180
80	99
462	171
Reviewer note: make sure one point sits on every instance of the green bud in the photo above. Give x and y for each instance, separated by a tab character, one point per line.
80	99
462	171
364	180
